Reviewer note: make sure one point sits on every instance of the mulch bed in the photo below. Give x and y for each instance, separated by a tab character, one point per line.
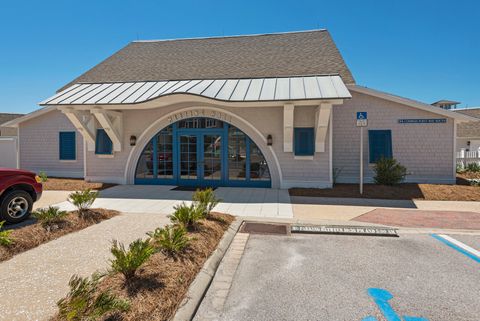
422	219
72	184
30	236
160	285
400	192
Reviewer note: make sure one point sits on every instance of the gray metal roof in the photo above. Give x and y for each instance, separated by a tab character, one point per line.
234	90
288	54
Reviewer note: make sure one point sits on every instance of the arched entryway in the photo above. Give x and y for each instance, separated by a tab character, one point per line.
202	151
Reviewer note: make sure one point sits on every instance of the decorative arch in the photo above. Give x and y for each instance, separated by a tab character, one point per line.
204	111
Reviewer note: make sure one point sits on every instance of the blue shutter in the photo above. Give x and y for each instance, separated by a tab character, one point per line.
103	143
67	146
304	141
380	144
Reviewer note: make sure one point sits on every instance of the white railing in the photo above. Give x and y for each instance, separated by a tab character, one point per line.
467	157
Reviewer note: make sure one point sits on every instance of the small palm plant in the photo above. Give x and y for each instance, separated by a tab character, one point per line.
128	261
86	302
50	216
170	239
83	200
187	215
206	200
5	238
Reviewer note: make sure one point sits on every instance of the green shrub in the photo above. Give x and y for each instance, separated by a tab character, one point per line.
5	238
49	216
460	168
128	261
43	176
86	302
473	167
83	200
205	200
170	239
389	172
187	216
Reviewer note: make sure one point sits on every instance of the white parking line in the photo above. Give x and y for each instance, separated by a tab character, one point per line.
460	244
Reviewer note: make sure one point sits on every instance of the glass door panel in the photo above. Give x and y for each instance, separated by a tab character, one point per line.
212	157
188	156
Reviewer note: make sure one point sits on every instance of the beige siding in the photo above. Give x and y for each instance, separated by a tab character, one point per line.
425	149
39	146
268	120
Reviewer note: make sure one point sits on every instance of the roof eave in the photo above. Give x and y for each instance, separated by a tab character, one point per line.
411	103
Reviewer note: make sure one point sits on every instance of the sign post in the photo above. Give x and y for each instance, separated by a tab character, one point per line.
362	121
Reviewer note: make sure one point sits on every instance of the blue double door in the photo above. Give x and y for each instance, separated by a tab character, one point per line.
201	157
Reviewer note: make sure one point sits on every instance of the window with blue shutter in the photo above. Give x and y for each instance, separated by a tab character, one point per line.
380	144
103	143
67	146
304	141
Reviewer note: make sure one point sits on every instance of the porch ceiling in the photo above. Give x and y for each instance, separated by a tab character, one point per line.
233	90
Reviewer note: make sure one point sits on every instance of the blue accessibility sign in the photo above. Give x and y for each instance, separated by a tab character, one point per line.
362	120
361	115
381	298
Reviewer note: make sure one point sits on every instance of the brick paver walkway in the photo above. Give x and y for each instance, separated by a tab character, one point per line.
421	218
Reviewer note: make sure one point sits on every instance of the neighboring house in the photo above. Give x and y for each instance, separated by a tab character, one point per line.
274	110
446	104
468	134
8	131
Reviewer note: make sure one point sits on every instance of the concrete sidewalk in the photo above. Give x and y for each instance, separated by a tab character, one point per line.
259	202
32	282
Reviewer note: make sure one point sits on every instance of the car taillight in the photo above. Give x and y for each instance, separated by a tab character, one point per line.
38	179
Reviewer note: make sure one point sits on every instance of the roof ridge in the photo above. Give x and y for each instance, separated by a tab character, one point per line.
231	36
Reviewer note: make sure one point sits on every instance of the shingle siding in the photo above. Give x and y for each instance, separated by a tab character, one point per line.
39	146
425	149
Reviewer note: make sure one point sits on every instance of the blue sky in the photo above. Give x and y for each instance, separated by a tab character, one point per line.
421	49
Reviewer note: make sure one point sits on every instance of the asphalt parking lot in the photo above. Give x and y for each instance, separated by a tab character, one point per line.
336	277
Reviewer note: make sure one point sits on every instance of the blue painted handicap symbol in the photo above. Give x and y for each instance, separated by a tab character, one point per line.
361	115
381	298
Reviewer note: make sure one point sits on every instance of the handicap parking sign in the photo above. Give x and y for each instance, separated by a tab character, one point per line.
362	119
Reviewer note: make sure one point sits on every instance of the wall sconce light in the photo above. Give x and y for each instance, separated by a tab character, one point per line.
133	140
468	143
269	140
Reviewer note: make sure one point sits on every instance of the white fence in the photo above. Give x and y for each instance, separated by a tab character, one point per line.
464	158
8	152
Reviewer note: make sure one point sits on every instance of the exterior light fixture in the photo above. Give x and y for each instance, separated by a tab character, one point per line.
133	140
269	140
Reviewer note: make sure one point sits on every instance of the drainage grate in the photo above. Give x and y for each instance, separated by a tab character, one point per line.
345	230
264	228
190	188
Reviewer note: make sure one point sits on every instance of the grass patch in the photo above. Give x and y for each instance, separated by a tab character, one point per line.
159	285
30	236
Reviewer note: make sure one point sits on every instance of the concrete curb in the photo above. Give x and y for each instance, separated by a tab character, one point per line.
199	286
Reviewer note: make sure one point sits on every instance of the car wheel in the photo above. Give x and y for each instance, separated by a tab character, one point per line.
16	206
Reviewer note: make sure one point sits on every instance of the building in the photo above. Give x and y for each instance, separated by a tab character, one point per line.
468	134
273	110
446	104
8	131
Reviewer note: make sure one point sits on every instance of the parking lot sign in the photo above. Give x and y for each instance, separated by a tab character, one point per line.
362	119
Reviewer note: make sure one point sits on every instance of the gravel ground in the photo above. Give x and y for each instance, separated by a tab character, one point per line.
321	277
32	282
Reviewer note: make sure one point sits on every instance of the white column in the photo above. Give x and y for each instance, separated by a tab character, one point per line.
322	120
288	114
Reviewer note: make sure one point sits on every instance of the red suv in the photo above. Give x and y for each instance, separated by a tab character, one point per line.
19	189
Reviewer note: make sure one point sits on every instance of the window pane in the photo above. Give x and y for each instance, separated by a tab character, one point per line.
103	144
258	165
145	163
237	154
165	153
